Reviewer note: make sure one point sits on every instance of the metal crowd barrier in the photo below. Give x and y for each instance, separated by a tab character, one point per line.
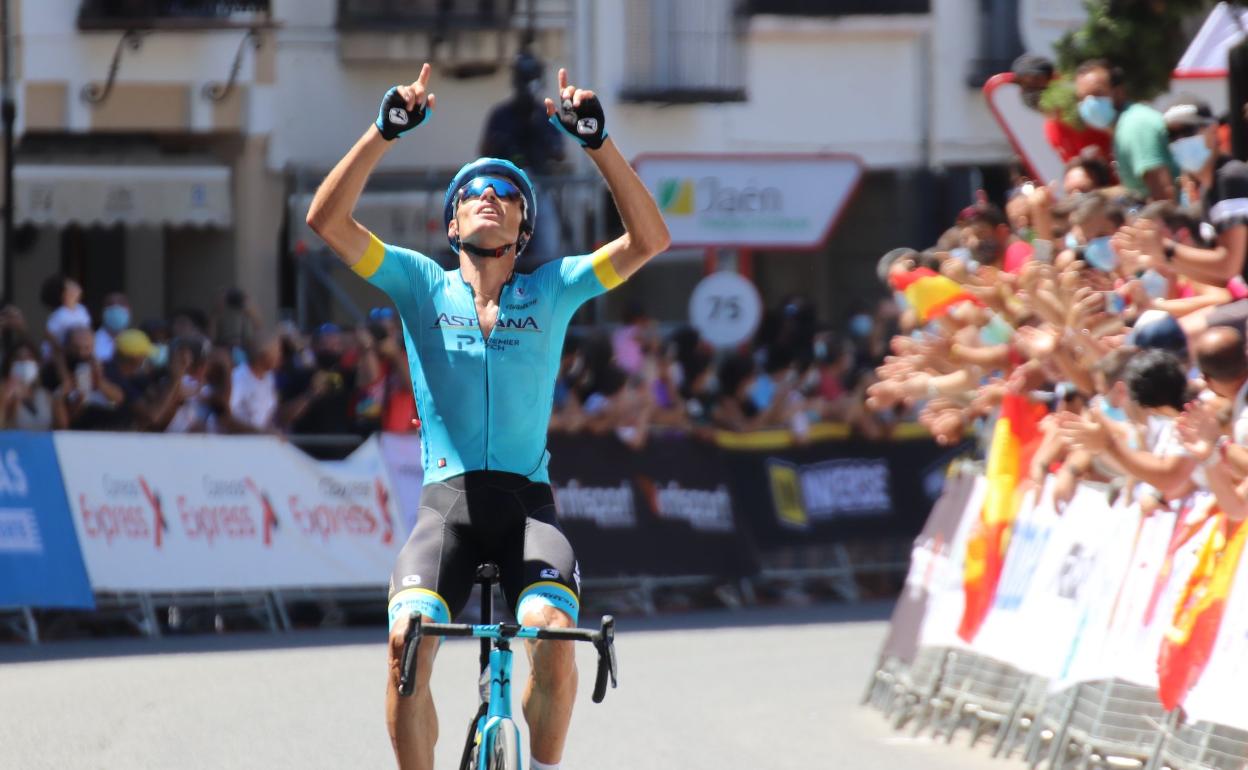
1107	723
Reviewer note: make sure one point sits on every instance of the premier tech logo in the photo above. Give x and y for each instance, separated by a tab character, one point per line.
686	196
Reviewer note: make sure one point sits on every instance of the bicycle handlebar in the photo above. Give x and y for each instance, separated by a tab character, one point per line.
602	639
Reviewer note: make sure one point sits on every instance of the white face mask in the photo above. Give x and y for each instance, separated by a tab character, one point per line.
25	371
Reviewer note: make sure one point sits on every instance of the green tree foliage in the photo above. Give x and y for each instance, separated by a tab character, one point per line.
1144	37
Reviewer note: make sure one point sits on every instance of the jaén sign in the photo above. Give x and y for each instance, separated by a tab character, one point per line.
782	201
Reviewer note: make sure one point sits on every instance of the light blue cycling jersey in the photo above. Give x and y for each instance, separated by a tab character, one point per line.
484	403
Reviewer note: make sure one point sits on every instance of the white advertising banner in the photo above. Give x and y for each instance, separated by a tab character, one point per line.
194	513
1163	562
1048	614
1085	658
750	201
1002	634
946	596
401	452
1218	696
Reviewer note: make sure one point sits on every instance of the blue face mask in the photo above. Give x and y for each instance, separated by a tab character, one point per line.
1109	410
1098	111
1100	254
1191	153
1071	241
159	356
860	325
996	331
116	318
1155	284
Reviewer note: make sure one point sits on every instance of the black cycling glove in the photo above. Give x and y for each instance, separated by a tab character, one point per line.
394	119
585	123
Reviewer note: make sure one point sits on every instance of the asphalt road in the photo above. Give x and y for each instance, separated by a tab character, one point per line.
760	688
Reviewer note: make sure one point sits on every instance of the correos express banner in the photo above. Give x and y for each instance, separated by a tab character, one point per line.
753	201
187	513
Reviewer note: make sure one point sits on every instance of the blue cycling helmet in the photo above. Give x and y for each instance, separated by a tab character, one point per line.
493	167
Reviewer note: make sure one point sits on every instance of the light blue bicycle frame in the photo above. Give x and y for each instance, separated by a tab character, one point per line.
498	716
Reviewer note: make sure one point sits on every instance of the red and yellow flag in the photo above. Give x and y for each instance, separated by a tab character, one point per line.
929	293
1014	441
1188	643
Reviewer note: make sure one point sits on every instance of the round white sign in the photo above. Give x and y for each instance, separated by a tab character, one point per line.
725	309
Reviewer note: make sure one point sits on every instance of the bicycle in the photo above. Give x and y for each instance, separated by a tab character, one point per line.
493	741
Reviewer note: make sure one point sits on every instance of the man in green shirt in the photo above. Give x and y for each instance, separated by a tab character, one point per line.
1141	142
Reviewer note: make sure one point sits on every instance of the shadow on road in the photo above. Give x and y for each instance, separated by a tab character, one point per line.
243	641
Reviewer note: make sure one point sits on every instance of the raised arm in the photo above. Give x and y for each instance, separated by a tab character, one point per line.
645	232
330	215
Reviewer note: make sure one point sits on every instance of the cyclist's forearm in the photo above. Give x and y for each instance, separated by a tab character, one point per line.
645	232
330	213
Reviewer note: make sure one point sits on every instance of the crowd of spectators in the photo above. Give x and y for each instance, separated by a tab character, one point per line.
1113	297
224	372
229	372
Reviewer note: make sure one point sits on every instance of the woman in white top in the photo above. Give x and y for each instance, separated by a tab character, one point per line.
25	404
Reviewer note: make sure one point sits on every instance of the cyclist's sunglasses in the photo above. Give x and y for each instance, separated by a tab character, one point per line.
502	188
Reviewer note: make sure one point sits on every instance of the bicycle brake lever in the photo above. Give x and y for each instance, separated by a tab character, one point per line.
607	666
407	663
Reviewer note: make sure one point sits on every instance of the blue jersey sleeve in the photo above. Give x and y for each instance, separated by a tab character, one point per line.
585	277
401	273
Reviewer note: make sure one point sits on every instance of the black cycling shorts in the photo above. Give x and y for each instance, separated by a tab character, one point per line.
478	517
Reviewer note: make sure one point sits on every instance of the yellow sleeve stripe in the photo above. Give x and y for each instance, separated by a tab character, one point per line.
372	258
605	270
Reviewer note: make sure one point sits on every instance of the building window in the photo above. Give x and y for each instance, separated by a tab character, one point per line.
1000	41
837	7
684	51
142	14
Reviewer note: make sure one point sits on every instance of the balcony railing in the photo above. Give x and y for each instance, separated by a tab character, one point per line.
191	14
386	15
837	7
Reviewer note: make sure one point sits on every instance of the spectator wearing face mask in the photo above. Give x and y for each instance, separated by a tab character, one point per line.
114	319
25	404
1219	185
1141	142
1033	74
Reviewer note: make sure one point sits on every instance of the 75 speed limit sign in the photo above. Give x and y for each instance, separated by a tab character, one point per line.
725	309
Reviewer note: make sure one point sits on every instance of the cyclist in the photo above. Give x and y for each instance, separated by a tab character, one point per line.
484	344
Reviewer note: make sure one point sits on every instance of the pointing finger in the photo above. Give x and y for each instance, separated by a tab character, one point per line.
424	74
563	79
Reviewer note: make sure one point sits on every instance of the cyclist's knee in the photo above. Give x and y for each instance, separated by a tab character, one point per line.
545	615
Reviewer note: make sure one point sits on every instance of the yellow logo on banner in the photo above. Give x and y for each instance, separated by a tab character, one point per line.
786	493
676	196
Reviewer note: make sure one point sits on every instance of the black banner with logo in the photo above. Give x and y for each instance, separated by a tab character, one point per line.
665	510
684	506
835	490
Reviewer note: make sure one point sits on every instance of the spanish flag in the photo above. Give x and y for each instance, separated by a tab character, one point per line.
1014	441
1188	642
929	293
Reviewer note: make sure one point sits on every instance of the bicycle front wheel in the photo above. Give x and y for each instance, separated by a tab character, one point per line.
505	752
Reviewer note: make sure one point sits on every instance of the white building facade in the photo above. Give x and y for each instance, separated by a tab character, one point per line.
167	148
